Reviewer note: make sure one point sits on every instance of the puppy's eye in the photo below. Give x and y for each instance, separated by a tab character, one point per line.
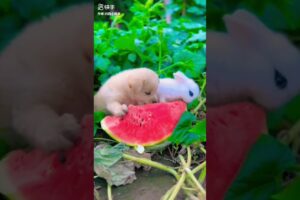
148	93
191	93
280	81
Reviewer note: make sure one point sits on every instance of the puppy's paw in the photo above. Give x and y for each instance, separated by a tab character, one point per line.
120	110
69	125
124	108
57	135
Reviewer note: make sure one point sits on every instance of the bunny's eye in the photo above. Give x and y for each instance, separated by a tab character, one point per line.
191	93
148	93
280	81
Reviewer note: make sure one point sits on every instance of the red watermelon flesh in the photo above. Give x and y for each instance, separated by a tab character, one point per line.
145	125
231	130
35	175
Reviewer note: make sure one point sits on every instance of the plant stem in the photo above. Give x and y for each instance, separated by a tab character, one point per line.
183	12
96	195
103	139
168	193
178	186
202	149
109	193
203	84
151	163
199	167
201	103
189	156
160	52
170	66
189	189
202	175
191	176
292	136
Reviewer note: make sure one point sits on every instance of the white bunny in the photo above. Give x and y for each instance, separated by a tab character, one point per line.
251	62
179	88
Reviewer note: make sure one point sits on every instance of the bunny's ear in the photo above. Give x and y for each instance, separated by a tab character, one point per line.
246	27
179	76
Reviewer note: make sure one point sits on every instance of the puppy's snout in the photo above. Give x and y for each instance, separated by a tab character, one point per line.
154	100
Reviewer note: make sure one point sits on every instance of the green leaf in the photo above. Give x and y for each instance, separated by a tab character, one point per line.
108	155
4	148
196	10
114	70
198	37
193	104
187	133
98	116
192	25
108	164
287	114
9	26
101	63
198	132
126	42
201	3
31	9
153	40
261	174
96	128
132	57
291	191
194	62
102	78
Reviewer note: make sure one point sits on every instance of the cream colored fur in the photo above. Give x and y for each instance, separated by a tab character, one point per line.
134	86
46	78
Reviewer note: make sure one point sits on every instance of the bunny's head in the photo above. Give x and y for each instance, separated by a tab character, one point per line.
190	88
274	61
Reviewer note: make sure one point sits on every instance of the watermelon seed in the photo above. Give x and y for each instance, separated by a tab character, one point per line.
62	158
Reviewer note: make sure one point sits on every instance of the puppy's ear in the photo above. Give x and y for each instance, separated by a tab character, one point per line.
136	84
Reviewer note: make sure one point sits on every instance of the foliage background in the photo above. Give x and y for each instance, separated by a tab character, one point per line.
141	37
16	14
269	159
282	16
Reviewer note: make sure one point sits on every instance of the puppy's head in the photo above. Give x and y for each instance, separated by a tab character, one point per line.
143	84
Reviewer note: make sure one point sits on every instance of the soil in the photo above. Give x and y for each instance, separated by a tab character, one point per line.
150	185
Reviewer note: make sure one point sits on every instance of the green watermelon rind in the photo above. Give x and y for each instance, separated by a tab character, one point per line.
7	188
107	130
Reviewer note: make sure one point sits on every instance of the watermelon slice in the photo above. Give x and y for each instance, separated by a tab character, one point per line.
34	175
231	131
145	125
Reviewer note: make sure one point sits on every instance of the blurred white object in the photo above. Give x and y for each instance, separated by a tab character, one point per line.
179	88
251	62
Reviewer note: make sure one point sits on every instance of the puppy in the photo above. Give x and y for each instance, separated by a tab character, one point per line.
46	79
134	86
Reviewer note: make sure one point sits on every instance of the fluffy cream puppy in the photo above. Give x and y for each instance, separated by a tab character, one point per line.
135	86
46	79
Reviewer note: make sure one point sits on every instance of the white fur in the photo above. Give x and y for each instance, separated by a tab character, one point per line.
46	78
241	63
177	88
